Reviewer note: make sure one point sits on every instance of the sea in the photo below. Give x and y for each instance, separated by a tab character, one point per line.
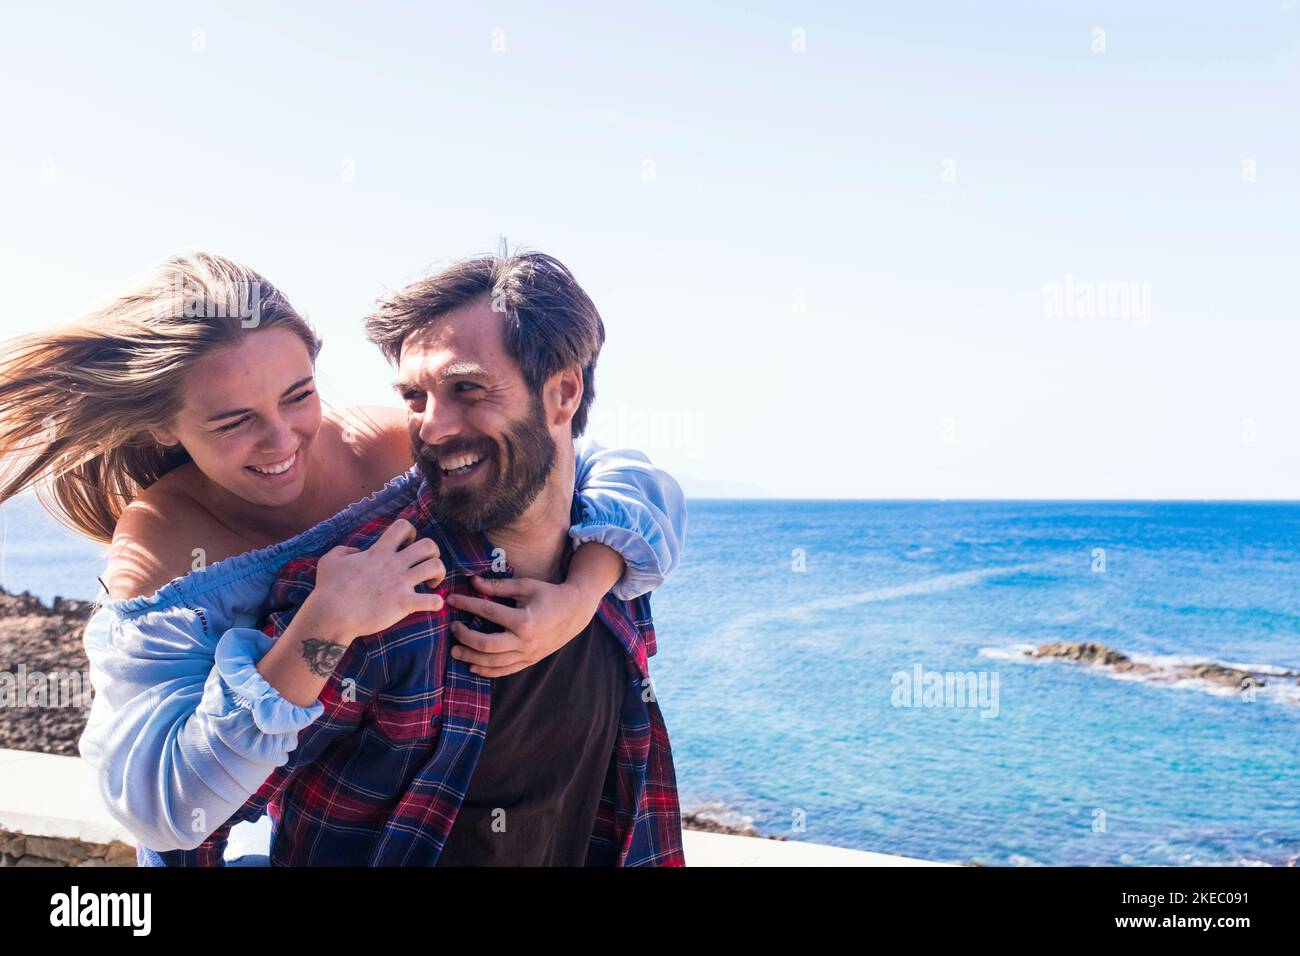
856	673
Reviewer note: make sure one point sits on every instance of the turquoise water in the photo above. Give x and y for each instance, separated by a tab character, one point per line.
778	684
38	554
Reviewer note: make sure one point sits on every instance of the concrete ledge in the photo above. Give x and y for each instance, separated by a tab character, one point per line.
45	795
52	796
721	849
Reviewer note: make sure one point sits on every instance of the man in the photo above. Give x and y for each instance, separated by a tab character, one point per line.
417	760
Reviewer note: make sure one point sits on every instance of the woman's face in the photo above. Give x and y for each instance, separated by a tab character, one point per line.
250	414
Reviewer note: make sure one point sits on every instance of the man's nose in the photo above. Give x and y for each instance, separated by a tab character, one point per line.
438	422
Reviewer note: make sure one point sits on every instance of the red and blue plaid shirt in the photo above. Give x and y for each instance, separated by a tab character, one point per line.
378	778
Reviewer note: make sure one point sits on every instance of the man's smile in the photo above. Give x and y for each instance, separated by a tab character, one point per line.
460	466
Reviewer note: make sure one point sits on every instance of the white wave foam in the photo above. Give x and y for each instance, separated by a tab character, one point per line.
932	585
1275	669
1192	660
721	813
803	613
1019	653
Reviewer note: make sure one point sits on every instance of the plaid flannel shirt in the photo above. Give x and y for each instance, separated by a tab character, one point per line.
378	778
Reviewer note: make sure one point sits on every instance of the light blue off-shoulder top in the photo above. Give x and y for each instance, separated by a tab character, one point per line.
183	729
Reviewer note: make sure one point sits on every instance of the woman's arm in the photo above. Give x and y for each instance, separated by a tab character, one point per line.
180	732
629	538
633	507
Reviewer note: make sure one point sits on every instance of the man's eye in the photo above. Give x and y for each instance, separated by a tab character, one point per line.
467	386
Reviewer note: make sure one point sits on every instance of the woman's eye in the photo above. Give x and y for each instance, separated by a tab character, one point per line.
293	401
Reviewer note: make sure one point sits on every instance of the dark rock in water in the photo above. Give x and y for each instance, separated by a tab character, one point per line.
1227	676
1091	652
1088	653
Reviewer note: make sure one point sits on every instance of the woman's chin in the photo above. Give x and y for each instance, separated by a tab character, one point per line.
279	497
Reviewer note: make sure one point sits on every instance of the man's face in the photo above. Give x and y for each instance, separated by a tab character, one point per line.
478	434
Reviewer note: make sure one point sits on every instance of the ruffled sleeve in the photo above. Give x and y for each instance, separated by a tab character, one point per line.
238	653
633	507
181	732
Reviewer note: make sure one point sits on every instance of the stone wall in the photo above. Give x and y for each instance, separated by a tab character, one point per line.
20	849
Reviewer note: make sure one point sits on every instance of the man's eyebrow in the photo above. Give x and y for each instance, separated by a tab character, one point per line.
455	370
463	370
244	411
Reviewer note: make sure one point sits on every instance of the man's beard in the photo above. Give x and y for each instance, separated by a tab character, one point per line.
504	493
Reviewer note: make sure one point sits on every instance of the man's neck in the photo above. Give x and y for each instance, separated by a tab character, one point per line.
534	542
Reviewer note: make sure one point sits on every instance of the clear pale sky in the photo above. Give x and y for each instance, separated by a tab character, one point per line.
822	257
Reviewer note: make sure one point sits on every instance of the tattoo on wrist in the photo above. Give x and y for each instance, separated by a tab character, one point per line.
322	656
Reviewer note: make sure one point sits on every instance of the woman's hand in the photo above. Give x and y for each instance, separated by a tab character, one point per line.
357	593
363	592
547	616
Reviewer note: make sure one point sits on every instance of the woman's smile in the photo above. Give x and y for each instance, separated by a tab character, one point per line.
278	471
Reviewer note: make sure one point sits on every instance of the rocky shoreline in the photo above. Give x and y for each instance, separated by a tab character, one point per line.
36	639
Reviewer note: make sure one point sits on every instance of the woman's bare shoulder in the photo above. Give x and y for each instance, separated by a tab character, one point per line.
158	537
377	437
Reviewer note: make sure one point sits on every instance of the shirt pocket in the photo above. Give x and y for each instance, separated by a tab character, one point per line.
409	715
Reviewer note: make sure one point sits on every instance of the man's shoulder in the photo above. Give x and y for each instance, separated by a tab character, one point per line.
362	535
637	611
631	616
296	579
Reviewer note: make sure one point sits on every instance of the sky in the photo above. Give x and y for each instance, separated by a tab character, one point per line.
855	250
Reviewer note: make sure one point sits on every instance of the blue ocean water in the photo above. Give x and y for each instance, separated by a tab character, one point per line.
777	684
783	637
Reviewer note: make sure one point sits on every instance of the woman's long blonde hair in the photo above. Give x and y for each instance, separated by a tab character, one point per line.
77	403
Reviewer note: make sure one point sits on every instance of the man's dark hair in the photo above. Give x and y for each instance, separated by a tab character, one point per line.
550	323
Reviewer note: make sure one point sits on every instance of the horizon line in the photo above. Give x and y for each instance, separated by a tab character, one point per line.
1067	500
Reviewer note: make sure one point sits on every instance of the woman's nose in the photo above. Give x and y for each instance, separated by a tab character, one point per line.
279	436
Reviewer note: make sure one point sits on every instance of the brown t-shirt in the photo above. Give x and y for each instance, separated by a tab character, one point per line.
533	796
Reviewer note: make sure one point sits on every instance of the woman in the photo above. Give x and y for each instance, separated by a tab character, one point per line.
181	425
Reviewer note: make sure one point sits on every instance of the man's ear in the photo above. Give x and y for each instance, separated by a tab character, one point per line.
563	394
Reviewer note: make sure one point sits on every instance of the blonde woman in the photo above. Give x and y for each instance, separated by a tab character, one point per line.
181	426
